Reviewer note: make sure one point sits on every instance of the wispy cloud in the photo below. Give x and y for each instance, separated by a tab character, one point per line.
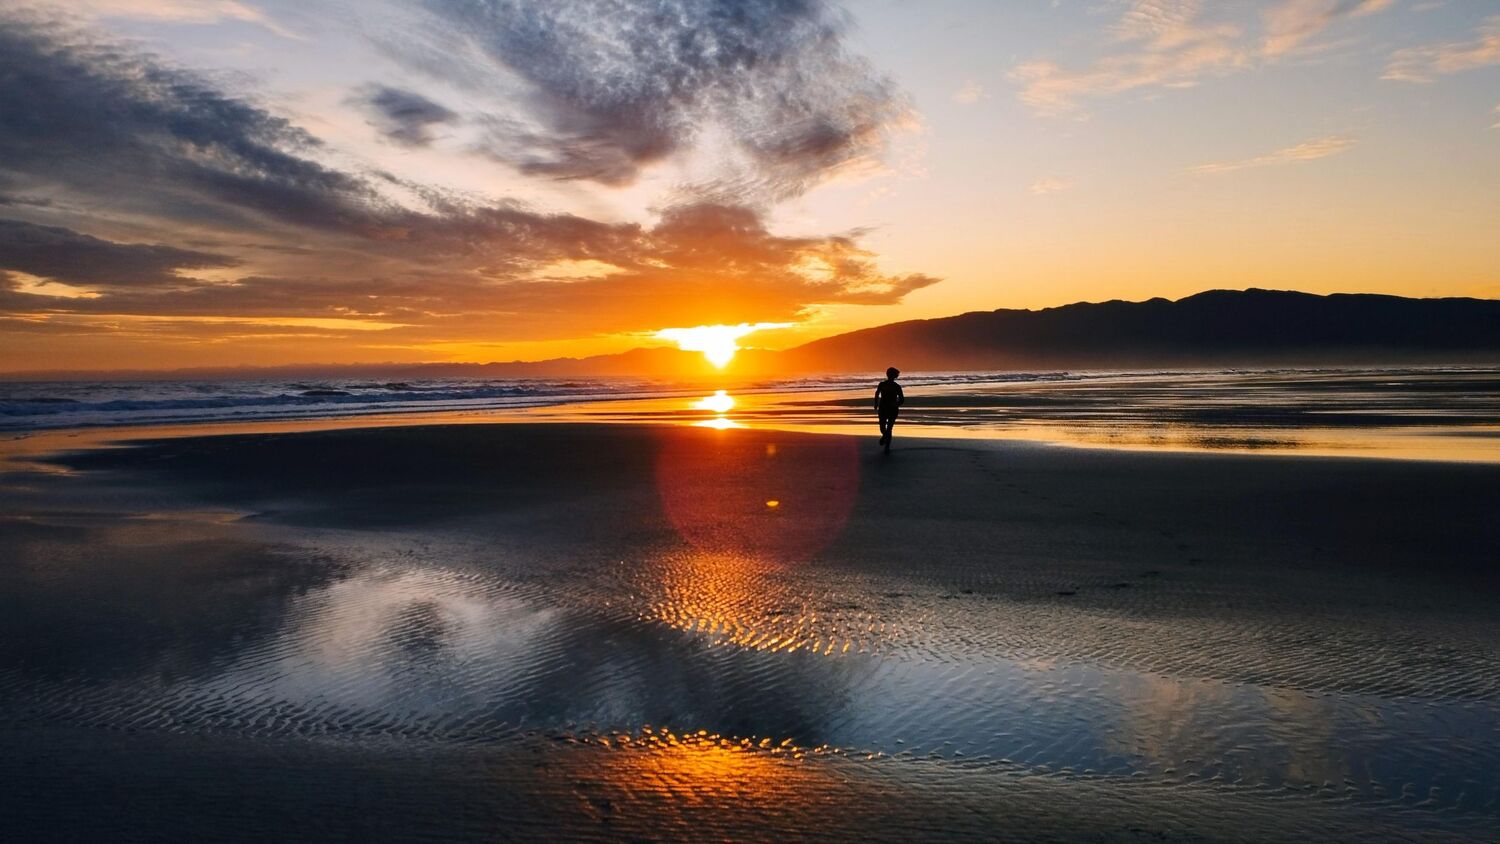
1423	64
1049	184
1497	115
1290	23
1306	151
1163	44
181	11
609	88
971	92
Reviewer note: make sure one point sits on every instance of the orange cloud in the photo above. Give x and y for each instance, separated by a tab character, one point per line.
1305	151
1423	64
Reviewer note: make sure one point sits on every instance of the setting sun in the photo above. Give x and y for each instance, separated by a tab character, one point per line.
459	419
718	343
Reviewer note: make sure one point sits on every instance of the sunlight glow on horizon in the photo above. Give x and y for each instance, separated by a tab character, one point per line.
718	343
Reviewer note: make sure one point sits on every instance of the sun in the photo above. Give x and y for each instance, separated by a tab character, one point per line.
718	343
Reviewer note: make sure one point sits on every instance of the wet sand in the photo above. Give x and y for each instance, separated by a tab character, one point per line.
665	632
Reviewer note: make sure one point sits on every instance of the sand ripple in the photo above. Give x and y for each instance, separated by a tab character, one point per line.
608	685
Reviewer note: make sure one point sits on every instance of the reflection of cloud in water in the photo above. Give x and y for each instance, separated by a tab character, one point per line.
1251	734
393	641
161	597
451	655
814	659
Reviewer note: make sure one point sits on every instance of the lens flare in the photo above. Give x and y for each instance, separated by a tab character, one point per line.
716	492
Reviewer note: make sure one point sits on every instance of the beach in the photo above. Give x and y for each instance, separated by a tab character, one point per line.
668	631
457	421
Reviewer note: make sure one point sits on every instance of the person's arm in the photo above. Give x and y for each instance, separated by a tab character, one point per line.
900	396
878	388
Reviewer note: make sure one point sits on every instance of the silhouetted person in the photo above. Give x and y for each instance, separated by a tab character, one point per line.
888	401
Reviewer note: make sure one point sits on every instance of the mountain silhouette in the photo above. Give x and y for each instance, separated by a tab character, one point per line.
1214	328
1217	328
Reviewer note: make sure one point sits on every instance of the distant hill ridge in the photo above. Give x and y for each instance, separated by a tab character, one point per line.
1214	328
1217	328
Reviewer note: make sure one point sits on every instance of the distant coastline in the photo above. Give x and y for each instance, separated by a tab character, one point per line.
1213	329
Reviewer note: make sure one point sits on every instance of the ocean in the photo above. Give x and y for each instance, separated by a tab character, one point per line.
1447	413
32	405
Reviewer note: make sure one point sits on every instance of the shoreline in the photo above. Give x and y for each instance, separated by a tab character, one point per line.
1410	414
27	449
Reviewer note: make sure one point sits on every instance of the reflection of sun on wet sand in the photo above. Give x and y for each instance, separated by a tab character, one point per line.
719	404
1211	646
751	518
1410	414
735	600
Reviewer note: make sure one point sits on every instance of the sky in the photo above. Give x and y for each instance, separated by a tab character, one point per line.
190	183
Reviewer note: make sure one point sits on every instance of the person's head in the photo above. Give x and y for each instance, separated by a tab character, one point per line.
892	373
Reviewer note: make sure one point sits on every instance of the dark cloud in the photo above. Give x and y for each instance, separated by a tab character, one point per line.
64	255
701	264
404	117
125	129
611	87
24	201
114	134
120	130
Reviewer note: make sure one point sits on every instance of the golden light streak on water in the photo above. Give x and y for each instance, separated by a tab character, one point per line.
719	402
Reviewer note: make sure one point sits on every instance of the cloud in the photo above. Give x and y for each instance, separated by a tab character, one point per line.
117	140
1165	44
1497	122
701	264
1291	22
179	11
1049	184
80	260
142	137
120	132
1306	151
971	92
1165	24
606	89
1423	64
403	117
